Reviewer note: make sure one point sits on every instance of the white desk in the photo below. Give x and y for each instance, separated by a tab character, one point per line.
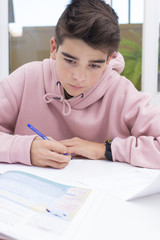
124	220
113	218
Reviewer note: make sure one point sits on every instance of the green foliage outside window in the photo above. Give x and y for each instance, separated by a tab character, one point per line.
132	53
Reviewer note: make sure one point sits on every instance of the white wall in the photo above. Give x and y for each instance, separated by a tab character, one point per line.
150	49
4	46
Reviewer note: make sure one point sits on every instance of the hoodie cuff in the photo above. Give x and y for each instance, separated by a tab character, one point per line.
20	149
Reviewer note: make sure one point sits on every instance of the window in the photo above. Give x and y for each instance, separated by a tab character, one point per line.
131	23
31	26
122	10
30	31
128	11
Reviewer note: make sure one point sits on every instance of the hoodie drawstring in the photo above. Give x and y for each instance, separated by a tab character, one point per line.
49	97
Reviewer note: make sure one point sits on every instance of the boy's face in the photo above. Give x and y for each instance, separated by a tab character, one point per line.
78	66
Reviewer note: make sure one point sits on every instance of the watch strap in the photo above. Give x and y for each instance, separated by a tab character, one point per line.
108	151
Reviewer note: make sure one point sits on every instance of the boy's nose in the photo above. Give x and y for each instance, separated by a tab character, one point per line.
79	75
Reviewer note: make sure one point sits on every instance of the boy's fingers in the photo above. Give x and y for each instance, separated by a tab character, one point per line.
71	142
50	163
63	158
55	146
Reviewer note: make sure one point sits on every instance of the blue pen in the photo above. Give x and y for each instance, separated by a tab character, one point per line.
40	134
37	132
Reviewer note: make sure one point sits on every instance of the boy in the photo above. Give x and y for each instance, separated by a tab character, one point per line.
78	99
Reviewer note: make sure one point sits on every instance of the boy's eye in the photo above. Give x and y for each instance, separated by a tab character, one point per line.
94	66
68	60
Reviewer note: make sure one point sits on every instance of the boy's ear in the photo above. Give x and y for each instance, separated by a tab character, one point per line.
53	48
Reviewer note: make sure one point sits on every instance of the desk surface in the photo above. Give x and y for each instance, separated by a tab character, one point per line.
113	218
118	219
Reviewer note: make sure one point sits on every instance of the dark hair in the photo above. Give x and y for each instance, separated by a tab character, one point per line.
92	21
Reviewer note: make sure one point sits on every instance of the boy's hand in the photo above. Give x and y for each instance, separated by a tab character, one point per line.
46	153
88	149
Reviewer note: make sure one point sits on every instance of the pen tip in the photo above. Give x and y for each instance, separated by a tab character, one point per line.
48	210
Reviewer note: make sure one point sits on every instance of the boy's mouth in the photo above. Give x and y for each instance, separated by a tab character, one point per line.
76	87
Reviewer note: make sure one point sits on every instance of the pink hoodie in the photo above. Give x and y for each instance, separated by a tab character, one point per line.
112	108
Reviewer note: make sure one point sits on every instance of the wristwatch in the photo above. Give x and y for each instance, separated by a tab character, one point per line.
108	152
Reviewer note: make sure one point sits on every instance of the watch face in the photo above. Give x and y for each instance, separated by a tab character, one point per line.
109	141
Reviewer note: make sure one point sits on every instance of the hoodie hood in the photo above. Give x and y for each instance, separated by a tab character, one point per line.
55	92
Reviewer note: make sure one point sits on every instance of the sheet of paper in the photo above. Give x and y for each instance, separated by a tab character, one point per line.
119	179
77	169
129	184
41	208
49	173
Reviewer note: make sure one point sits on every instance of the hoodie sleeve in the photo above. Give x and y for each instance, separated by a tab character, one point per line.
13	148
142	147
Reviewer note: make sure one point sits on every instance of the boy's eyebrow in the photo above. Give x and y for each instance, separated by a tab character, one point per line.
98	61
69	56
75	58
